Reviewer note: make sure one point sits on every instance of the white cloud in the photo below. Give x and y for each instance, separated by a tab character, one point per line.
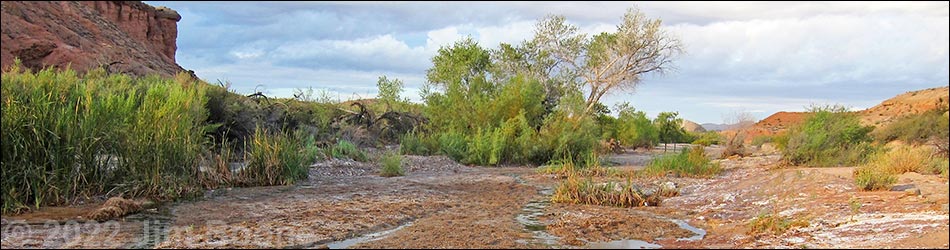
737	52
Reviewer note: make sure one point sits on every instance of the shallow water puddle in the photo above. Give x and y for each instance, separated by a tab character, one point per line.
529	218
698	234
623	244
343	244
155	225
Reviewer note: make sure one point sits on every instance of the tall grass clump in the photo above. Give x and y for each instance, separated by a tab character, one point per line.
691	162
872	177
774	224
391	165
276	158
67	136
622	194
347	150
881	171
830	136
587	166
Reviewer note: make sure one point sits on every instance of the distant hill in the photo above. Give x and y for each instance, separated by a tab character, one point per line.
716	126
913	102
691	126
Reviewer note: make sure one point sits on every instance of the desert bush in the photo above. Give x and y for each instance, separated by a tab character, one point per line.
941	165
830	136
903	159
775	224
67	136
882	168
588	166
762	139
624	194
391	165
347	150
916	129
707	138
689	162
871	178
453	144
418	143
735	145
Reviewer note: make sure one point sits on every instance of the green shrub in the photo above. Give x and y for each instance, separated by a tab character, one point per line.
634	129
830	136
940	166
707	138
916	129
453	145
762	139
689	162
417	143
347	150
391	165
872	178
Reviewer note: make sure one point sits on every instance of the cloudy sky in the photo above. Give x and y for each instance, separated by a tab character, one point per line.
753	57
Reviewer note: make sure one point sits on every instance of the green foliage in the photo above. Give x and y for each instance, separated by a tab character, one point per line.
276	158
347	150
830	136
708	138
389	89
391	165
762	139
453	145
588	166
916	129
417	143
871	178
690	162
66	136
670	128
634	129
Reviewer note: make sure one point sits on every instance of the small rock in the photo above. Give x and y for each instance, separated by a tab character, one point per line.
912	191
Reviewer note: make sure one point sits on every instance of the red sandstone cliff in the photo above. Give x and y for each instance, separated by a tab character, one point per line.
124	36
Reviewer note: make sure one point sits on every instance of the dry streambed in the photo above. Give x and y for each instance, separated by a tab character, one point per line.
441	204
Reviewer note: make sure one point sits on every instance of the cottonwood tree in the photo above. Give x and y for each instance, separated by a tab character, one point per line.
609	62
670	127
389	91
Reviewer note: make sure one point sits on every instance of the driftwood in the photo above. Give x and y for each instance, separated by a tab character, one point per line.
386	127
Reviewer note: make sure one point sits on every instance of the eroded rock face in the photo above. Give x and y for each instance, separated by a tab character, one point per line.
123	36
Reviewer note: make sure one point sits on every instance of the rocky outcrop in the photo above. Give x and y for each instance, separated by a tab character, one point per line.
122	36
